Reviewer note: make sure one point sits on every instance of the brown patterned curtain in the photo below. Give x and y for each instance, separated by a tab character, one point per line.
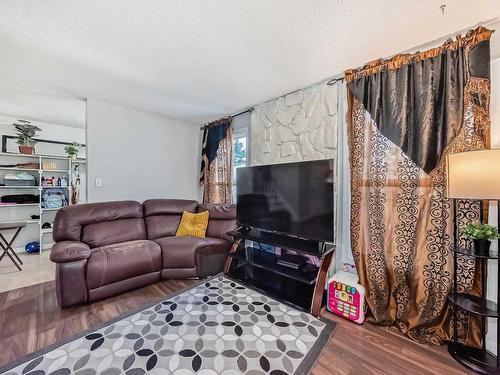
217	161
405	115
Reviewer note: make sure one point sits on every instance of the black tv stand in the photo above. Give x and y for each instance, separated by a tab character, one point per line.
302	288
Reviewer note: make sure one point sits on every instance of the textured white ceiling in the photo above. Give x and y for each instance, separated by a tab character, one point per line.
199	59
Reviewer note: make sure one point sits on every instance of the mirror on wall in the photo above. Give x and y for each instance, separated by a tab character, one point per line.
43	167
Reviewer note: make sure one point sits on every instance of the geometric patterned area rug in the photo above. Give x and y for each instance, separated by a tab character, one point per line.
216	327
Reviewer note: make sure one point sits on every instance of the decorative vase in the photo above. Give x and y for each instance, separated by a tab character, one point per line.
29	150
73	157
482	247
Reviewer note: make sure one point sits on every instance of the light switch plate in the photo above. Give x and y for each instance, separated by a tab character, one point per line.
98	182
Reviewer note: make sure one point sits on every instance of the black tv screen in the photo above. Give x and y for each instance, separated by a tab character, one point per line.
293	198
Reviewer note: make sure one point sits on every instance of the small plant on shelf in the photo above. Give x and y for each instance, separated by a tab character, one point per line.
72	150
25	133
482	235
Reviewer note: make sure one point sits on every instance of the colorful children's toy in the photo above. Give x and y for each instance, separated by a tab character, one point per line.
346	297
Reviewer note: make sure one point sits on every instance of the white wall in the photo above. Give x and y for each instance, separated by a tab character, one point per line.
139	155
51	132
43	108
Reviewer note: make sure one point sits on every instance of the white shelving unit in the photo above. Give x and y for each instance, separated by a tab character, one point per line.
63	169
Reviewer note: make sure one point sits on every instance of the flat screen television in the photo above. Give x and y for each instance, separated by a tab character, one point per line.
294	198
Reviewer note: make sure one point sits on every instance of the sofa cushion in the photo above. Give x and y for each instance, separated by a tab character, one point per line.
112	263
180	252
168	206
70	220
162	216
111	232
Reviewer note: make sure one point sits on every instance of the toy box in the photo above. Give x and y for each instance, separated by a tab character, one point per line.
345	297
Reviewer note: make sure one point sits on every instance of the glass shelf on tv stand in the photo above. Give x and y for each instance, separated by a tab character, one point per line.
316	248
258	258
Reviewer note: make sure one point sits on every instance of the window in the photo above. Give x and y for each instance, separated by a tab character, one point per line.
240	154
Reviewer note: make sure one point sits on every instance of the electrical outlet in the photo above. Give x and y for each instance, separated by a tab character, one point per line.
98	182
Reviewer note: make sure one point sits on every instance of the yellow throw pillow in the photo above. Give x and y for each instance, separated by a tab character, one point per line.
193	224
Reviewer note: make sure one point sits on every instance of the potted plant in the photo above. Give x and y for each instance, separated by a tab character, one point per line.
25	133
72	150
482	235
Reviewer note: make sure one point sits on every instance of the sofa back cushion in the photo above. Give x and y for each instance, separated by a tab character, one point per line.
222	219
100	224
112	232
162	216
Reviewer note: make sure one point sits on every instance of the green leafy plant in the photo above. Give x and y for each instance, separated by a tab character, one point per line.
25	133
72	148
478	231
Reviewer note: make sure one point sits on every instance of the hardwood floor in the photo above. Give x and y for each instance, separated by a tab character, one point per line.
371	349
30	320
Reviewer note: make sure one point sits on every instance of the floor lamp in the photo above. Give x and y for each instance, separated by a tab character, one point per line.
474	175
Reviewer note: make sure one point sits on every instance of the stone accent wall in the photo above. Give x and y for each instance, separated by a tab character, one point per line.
296	127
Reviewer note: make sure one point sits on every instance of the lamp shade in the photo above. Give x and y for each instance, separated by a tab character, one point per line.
474	175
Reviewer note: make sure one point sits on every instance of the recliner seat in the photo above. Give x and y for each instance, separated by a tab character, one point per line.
103	249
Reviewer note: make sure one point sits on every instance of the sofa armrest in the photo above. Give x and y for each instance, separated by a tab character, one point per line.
222	246
210	257
69	251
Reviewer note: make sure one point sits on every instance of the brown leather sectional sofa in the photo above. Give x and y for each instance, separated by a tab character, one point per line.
103	249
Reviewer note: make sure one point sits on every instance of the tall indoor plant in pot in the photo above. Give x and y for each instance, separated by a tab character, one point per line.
72	150
482	235
25	133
